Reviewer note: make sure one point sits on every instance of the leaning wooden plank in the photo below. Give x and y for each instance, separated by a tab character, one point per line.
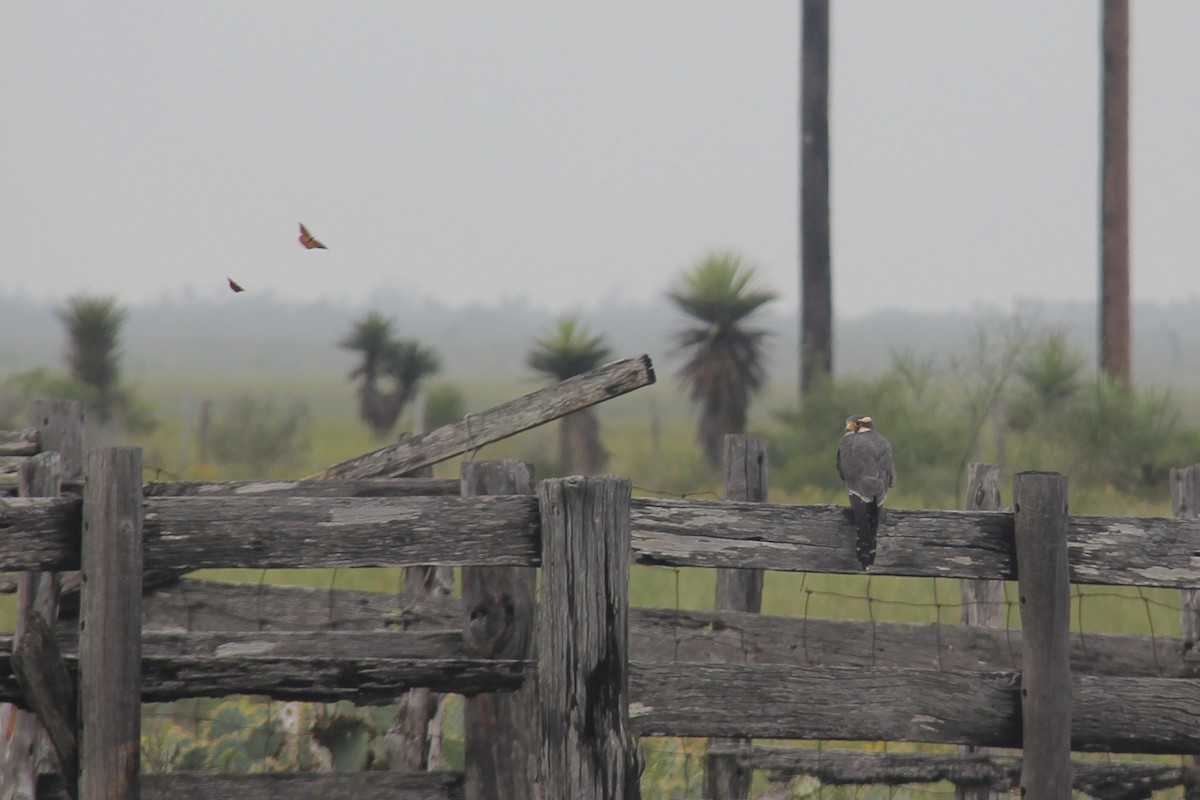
515	416
841	767
22	442
49	689
286	786
1109	714
375	487
205	532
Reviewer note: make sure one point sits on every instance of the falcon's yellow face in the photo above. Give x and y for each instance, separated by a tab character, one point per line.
858	424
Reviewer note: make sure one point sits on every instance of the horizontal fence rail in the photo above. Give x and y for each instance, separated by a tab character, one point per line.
288	531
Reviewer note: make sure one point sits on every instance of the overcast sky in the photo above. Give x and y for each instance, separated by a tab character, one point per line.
571	152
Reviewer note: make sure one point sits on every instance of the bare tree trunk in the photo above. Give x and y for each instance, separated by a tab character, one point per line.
816	283
1115	359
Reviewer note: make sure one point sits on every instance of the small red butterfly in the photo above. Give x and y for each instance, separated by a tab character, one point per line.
237	287
308	241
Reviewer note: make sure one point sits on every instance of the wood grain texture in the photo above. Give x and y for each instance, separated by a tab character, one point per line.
1110	714
477	430
285	786
60	425
23	442
43	534
783	702
745	463
110	624
40	534
730	637
49	690
983	602
1040	507
376	487
1118	780
195	605
367	667
503	733
1185	501
11	465
583	640
195	532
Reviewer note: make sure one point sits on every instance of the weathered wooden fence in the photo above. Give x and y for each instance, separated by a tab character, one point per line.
583	673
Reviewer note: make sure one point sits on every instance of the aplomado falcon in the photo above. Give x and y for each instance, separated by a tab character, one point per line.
864	460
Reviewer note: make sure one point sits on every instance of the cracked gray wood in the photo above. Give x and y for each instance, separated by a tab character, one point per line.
476	430
285	786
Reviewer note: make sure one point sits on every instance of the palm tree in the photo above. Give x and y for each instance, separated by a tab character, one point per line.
405	362
566	351
93	330
724	366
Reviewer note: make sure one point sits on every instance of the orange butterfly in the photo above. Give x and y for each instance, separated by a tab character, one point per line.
308	241
235	285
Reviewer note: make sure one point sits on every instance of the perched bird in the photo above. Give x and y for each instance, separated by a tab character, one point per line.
308	241
237	287
864	460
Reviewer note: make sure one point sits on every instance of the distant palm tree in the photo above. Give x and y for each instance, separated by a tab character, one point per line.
724	366
93	330
567	351
405	362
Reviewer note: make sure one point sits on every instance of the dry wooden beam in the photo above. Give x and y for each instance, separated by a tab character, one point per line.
218	606
373	487
745	466
515	416
503	738
1109	714
110	624
42	534
738	638
663	634
1106	780
583	654
22	442
1040	506
323	667
195	532
49	690
285	786
783	702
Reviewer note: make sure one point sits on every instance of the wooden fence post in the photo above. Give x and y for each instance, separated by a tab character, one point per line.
583	640
110	625
982	601
1043	579
1185	500
502	739
745	463
59	424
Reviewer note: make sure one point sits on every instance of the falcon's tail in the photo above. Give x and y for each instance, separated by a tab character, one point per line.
866	520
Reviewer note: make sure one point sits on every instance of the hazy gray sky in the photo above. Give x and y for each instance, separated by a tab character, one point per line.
569	152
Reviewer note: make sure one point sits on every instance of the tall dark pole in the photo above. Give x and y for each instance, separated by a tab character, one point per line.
1115	359
816	285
